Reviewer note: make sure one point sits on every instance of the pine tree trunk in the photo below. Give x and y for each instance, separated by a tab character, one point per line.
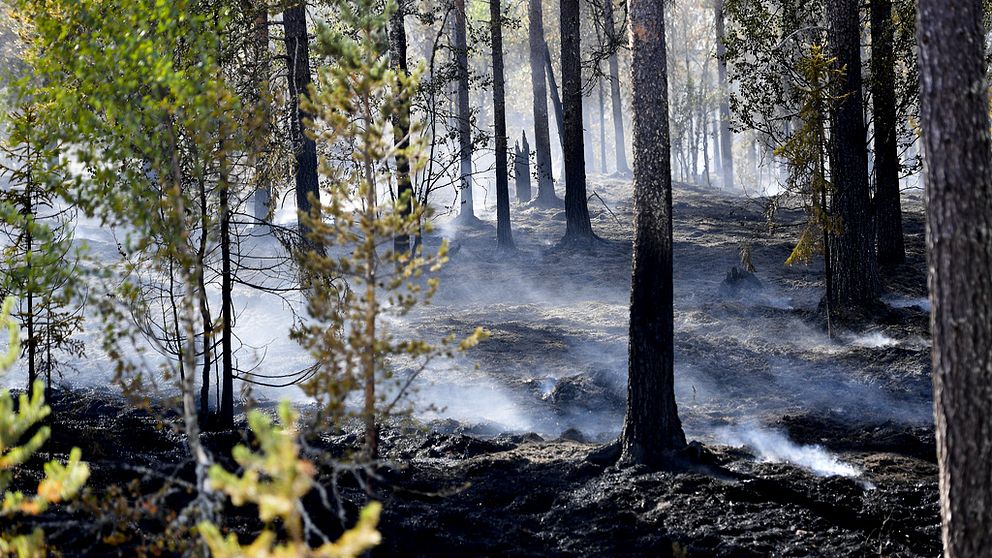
555	97
891	249
726	136
225	418
652	429
504	235
521	171
620	143
298	62
401	127
464	113
578	228
546	196
957	147
854	258
602	129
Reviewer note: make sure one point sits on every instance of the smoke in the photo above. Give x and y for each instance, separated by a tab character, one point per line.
775	447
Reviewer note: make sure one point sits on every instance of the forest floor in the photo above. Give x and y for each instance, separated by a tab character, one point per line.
816	446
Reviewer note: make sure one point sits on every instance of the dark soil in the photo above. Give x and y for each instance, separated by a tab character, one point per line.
753	353
520	495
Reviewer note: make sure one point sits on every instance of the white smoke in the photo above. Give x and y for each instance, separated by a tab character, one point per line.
775	447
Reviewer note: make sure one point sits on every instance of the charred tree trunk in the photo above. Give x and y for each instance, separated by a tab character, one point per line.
652	429
578	228
555	97
504	235
225	418
298	61
401	127
957	147
521	171
467	213
726	136
620	143
546	196
891	249
853	248
602	129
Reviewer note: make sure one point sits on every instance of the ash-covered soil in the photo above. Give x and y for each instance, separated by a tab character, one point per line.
816	446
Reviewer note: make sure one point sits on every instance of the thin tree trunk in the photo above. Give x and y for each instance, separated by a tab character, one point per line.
263	190
29	241
298	60
855	266
555	97
891	248
521	170
726	136
401	127
619	143
504	236
958	172
225	417
652	429
578	228
546	196
602	129
464	113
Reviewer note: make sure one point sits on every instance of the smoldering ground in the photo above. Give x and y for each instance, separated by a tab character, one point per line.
824	446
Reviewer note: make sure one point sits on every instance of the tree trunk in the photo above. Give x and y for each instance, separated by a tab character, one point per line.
298	61
578	229
464	113
263	190
652	429
521	171
401	127
546	196
602	129
855	265
891	249
555	97
504	235
590	155
957	147
225	418
620	143
726	136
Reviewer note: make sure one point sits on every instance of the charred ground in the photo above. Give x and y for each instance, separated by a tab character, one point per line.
509	476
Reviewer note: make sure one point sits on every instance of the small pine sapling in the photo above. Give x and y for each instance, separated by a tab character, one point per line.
805	152
60	483
275	479
357	276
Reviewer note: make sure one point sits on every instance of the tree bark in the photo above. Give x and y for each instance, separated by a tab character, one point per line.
620	143
855	265
555	97
958	173
521	171
225	418
602	129
504	235
891	248
652	429
726	136
546	196
298	61
401	127
578	228
467	212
